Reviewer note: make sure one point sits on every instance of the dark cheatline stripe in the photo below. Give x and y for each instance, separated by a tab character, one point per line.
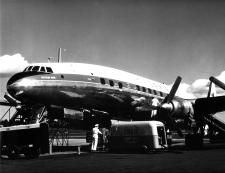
98	80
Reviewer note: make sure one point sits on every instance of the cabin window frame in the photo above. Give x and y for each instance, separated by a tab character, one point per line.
111	83
138	87
143	89
120	84
102	81
155	92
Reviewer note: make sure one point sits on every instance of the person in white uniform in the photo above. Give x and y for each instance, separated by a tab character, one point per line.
155	103
95	132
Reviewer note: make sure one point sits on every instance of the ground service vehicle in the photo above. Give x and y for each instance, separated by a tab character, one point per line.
30	140
137	135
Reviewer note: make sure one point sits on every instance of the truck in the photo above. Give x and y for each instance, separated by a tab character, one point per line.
137	136
30	140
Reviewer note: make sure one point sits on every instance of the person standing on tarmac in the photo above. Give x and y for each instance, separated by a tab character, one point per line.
155	103
95	132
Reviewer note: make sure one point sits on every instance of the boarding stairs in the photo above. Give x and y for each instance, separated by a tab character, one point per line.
217	121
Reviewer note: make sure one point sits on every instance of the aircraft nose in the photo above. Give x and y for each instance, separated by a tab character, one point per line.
16	85
12	89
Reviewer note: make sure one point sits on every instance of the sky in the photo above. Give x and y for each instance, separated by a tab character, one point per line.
157	39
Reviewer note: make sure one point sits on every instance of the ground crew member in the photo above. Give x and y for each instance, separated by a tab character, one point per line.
155	103
95	132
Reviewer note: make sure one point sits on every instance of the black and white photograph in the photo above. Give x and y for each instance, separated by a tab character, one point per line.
112	86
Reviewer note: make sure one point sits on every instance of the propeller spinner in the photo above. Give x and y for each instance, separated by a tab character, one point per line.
165	108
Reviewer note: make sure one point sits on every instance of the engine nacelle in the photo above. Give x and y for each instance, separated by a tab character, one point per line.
182	108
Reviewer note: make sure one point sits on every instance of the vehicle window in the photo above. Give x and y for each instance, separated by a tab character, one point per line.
102	80
120	85
42	69
35	68
49	70
155	92
111	83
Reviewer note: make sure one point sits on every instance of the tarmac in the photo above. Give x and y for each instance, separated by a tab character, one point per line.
177	159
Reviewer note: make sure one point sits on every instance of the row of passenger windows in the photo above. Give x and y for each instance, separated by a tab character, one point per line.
139	88
148	90
111	83
38	69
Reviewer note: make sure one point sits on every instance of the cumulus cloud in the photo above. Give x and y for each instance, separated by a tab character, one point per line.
10	64
184	91
200	87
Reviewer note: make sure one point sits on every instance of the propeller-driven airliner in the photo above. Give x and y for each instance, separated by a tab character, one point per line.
119	94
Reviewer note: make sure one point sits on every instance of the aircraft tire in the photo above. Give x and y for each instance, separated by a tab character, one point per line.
194	141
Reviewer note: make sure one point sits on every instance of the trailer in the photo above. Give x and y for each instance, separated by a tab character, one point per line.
138	136
30	140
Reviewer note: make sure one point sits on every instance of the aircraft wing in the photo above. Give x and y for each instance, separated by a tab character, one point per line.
209	105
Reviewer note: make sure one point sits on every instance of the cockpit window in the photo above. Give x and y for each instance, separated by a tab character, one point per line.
42	69
38	69
35	68
25	69
49	70
29	68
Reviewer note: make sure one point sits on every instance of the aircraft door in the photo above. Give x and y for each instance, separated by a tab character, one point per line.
161	135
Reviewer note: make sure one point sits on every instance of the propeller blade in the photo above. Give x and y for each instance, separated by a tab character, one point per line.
217	82
173	91
164	110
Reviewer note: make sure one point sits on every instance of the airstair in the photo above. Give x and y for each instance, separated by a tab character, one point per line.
217	121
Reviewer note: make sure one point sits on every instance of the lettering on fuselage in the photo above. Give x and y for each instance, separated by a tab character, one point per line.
48	77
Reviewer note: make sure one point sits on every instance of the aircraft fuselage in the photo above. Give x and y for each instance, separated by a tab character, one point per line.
96	87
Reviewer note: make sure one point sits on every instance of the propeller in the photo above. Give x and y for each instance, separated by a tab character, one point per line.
217	82
210	105
165	108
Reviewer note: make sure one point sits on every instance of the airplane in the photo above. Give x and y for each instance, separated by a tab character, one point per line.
119	94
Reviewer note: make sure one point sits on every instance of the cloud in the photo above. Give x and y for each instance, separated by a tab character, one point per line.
184	91
200	87
10	64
